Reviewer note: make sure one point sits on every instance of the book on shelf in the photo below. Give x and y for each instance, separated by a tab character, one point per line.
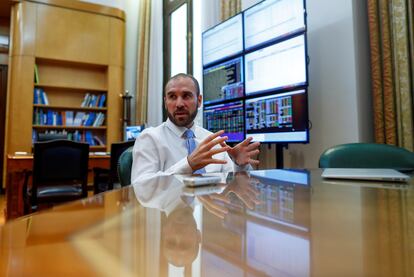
40	96
85	100
102	99
99	120
36	74
77	121
98	141
69	118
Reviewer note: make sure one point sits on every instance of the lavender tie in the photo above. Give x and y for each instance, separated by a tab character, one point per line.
191	145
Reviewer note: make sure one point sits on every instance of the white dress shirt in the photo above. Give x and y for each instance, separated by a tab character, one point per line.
162	150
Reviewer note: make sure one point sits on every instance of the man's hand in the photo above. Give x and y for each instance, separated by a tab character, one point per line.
203	154
243	152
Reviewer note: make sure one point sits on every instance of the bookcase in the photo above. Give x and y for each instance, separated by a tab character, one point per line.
70	99
77	49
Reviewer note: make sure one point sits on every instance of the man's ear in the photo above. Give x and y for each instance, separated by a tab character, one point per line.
165	103
200	100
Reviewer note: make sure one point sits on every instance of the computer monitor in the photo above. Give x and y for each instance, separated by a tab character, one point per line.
223	40
276	67
223	81
272	20
278	118
132	132
227	117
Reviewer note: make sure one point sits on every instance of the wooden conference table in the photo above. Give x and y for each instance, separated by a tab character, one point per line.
273	223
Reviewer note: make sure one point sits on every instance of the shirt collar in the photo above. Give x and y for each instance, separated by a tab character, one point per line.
179	131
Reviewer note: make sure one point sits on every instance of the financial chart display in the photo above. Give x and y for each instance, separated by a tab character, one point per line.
271	20
281	117
278	66
223	40
258	59
223	81
228	117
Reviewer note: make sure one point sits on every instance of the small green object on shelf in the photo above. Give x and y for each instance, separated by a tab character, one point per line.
36	75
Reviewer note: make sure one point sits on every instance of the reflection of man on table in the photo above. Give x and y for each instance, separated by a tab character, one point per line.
180	238
180	146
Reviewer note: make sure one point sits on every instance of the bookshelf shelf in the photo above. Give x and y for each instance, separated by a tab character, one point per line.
70	88
45	127
57	107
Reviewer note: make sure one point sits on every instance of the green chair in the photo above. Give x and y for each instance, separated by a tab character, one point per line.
367	155
124	167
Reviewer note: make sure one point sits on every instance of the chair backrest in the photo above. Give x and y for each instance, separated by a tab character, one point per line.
366	155
60	162
116	150
125	167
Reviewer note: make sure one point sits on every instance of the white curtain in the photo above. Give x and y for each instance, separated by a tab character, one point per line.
155	79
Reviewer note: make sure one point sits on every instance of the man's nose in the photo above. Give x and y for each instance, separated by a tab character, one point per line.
180	102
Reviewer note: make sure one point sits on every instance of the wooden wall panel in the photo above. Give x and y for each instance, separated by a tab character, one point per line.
23	30
72	35
71	75
20	105
117	42
114	103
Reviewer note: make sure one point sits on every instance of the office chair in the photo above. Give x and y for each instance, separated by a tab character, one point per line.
60	174
367	155
105	179
125	167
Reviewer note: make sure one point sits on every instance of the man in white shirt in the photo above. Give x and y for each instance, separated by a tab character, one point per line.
164	149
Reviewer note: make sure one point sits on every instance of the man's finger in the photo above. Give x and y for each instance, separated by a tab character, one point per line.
246	141
253	145
214	161
253	162
213	136
215	151
253	153
216	141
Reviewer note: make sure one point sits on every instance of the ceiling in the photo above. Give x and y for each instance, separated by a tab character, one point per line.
5	6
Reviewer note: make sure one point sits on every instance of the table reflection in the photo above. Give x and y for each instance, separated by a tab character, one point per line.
258	223
246	221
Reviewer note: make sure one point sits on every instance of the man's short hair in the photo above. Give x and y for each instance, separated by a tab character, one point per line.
184	75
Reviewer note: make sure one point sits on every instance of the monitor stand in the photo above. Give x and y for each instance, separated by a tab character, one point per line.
279	154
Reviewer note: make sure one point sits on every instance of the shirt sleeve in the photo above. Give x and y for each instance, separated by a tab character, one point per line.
147	159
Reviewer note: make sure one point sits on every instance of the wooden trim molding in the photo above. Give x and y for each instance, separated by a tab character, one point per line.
81	6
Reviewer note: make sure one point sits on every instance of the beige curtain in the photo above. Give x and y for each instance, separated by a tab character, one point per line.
392	66
144	24
229	8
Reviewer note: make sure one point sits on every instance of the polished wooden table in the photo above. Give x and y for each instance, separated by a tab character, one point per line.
17	165
273	223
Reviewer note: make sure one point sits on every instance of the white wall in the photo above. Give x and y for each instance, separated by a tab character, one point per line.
339	88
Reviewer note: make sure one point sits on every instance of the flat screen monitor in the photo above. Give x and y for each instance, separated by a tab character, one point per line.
278	118
223	40
228	117
272	20
223	81
276	67
132	132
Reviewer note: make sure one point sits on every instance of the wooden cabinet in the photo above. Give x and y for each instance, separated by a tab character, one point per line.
78	48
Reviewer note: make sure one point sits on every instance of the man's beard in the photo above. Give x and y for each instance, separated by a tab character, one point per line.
186	122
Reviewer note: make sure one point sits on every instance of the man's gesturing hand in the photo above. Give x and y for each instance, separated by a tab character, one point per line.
243	152
203	154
